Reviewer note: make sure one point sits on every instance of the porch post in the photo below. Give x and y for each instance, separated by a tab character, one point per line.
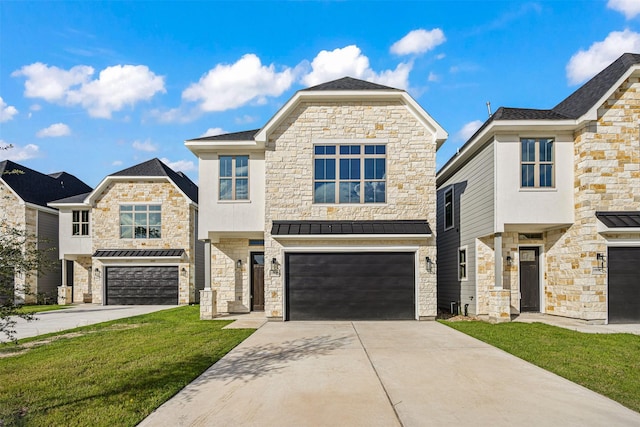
499	298
208	309
64	291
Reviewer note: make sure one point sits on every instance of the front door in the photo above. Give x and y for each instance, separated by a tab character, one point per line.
530	279
69	278
257	281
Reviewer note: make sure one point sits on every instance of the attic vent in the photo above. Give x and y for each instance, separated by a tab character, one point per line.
530	236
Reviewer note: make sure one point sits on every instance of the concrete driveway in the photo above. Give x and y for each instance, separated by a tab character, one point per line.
78	315
380	374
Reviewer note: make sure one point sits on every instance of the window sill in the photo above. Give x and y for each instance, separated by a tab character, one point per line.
538	189
349	204
227	202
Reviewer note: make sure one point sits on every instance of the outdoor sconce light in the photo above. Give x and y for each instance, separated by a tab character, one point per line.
183	271
97	272
602	261
239	263
275	267
509	260
429	265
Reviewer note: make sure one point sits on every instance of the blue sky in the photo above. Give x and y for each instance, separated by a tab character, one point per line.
95	87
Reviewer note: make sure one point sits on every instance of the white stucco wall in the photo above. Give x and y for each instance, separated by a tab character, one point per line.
70	244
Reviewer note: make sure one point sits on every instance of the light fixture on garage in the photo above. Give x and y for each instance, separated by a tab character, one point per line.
184	271
602	261
239	263
429	265
275	267
97	272
509	260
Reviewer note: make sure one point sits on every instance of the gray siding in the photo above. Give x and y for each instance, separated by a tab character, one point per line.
48	240
473	201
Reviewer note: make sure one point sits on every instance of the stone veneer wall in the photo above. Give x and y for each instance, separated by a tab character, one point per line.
232	284
607	178
485	276
176	226
81	277
411	189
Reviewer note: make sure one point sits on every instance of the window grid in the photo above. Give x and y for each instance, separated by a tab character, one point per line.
536	162
80	223
448	209
462	264
234	178
341	172
140	221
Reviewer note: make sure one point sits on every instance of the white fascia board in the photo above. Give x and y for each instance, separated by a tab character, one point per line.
77	205
197	147
354	95
469	150
592	114
105	182
41	208
352	236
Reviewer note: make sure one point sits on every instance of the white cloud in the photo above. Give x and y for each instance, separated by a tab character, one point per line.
213	132
587	63
6	111
145	145
349	61
418	41
116	163
229	86
18	154
630	8
245	119
468	130
35	107
180	165
115	87
433	77
56	129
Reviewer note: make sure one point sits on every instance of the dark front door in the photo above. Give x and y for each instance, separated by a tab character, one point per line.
624	285
142	285
350	286
69	278
530	279
257	281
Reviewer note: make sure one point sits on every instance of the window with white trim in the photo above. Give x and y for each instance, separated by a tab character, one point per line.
350	173
80	223
448	209
234	178
462	263
536	163
140	221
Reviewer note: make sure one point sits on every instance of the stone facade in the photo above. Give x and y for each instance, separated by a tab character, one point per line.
178	229
231	283
410	180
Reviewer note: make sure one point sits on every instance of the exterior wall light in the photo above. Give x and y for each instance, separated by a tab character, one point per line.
275	267
509	260
430	263
97	272
602	261
239	263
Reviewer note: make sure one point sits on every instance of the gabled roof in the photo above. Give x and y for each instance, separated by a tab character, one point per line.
155	168
37	188
349	83
246	135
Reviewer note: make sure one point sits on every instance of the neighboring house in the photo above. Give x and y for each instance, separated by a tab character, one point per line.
132	240
325	212
24	194
540	210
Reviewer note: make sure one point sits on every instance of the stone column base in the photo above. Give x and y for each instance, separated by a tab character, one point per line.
500	305
208	309
64	295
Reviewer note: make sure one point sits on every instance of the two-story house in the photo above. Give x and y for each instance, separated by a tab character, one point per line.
132	240
24	194
539	211
326	211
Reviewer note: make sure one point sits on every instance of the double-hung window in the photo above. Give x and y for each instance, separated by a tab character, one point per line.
536	163
80	223
234	177
140	221
350	173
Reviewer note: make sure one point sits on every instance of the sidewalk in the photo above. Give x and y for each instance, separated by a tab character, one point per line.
578	325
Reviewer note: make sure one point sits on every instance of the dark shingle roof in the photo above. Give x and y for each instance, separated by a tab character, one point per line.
155	167
246	135
583	99
620	219
350	227
79	198
349	83
38	188
130	253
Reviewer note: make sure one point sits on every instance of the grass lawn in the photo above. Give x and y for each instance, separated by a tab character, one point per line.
40	308
111	374
605	363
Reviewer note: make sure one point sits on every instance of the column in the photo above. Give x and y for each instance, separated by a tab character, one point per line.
208	309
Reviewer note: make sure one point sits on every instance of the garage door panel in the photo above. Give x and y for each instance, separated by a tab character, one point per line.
350	286
624	284
142	285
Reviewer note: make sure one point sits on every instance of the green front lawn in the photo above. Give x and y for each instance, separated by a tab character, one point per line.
605	363
111	374
40	308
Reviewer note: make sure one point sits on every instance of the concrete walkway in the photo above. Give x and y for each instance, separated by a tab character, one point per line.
578	325
380	374
78	315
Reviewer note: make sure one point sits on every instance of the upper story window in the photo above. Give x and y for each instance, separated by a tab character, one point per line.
462	263
80	223
448	208
536	164
354	173
234	177
140	221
